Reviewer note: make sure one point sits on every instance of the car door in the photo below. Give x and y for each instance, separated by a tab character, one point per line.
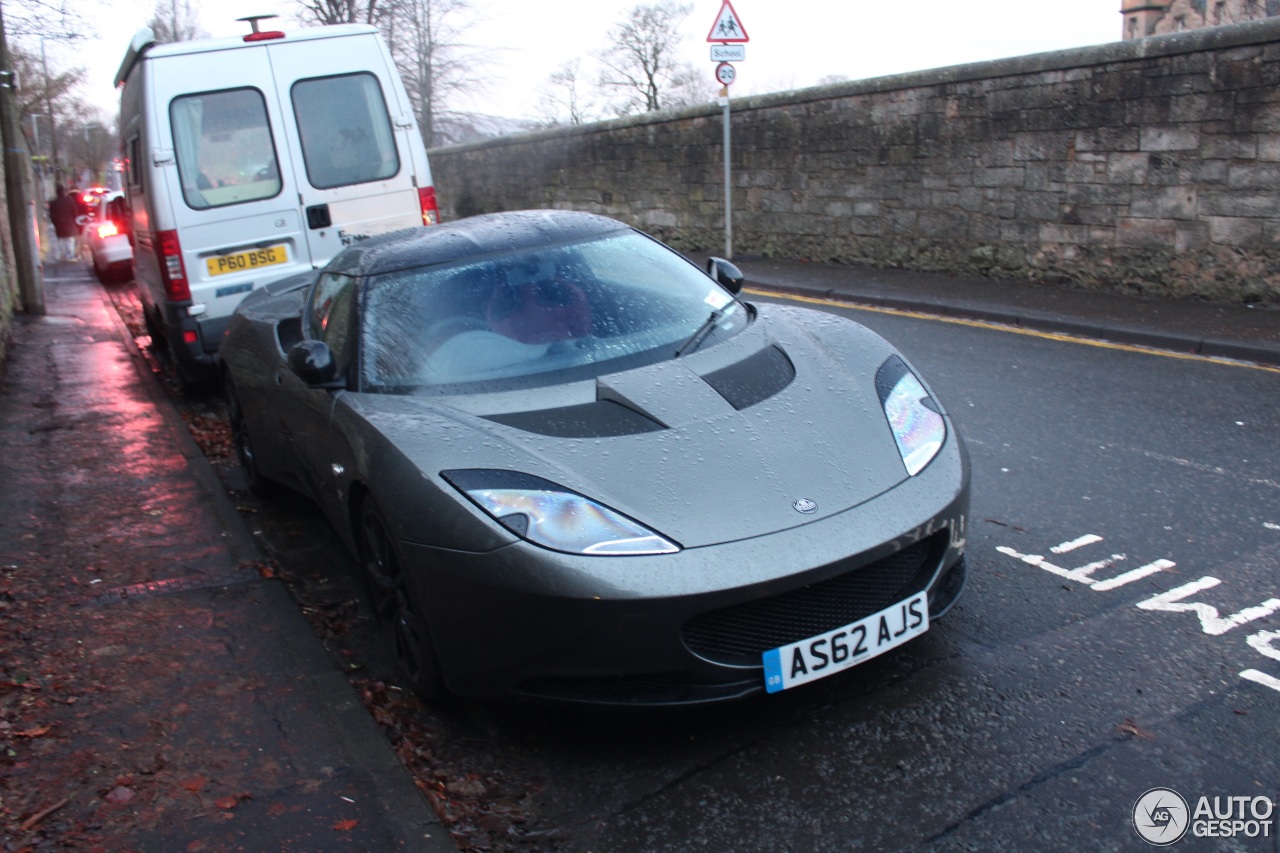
330	316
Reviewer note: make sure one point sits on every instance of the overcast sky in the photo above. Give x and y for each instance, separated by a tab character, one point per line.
792	44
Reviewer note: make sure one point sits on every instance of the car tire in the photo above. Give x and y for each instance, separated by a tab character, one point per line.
397	604
259	484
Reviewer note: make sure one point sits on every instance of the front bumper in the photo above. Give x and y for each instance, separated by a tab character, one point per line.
688	627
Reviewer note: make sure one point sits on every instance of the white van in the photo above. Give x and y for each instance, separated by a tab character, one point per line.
251	159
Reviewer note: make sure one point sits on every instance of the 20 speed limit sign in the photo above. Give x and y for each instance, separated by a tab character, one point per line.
725	73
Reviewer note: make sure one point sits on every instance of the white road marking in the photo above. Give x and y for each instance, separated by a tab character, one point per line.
1262	678
1210	622
1134	575
1264	642
1087	539
1084	574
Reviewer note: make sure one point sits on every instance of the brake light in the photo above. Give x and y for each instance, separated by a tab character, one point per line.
265	35
107	229
172	271
427	201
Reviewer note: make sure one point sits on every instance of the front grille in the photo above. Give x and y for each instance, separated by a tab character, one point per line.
741	633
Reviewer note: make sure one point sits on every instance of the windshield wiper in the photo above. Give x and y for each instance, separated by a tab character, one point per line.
696	339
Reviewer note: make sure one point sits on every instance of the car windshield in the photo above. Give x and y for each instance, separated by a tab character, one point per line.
538	316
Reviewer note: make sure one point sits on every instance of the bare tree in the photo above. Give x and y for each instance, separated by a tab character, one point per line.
564	100
642	63
50	19
328	12
426	40
90	142
46	102
176	20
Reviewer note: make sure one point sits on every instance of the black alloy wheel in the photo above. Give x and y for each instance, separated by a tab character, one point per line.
258	484
396	604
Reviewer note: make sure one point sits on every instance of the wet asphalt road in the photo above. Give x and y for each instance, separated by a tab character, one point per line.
1059	690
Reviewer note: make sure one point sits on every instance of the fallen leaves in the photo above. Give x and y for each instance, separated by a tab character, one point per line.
346	825
212	435
229	803
1129	727
195	784
32	821
120	794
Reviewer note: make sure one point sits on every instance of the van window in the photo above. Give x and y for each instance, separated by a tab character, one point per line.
223	144
345	131
134	154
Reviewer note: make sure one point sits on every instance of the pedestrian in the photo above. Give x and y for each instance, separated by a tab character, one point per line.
62	213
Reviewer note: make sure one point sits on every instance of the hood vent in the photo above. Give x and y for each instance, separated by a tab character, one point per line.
601	419
754	379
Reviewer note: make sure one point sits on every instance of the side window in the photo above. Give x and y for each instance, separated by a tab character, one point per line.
345	130
224	148
331	316
134	153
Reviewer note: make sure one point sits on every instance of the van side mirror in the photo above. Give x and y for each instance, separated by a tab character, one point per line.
726	274
312	362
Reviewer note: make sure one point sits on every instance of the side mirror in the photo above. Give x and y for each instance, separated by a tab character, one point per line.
726	274
312	362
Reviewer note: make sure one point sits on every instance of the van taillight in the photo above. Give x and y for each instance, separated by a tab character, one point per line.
265	35
172	271
427	201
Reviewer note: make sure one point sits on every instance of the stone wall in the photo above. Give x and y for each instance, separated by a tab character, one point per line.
1146	166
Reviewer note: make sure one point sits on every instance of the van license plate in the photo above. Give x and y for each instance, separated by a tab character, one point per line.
267	257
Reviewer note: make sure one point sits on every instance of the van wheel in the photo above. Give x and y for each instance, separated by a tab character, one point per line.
153	328
397	605
258	484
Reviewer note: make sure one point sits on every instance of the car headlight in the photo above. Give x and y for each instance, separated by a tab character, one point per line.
555	517
913	416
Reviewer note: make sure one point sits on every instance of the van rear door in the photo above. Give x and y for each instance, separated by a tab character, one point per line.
353	156
234	197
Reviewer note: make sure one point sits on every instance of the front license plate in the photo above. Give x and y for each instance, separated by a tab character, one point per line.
267	257
850	645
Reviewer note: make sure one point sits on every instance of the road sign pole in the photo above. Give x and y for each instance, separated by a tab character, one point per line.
728	184
732	38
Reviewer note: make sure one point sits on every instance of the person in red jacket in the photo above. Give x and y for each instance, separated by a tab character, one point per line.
62	213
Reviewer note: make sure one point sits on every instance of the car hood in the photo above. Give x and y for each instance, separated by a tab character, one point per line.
777	427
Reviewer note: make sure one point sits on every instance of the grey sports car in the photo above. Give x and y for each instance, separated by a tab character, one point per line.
576	467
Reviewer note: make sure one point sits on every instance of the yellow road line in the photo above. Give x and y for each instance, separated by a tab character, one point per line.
1016	330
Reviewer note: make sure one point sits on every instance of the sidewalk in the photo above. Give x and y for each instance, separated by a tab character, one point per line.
156	692
1203	328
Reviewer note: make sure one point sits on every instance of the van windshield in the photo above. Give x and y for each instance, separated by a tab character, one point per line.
345	131
224	149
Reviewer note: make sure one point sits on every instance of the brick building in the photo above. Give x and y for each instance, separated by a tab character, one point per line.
1156	17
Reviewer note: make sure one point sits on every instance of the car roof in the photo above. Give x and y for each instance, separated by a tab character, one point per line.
472	237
